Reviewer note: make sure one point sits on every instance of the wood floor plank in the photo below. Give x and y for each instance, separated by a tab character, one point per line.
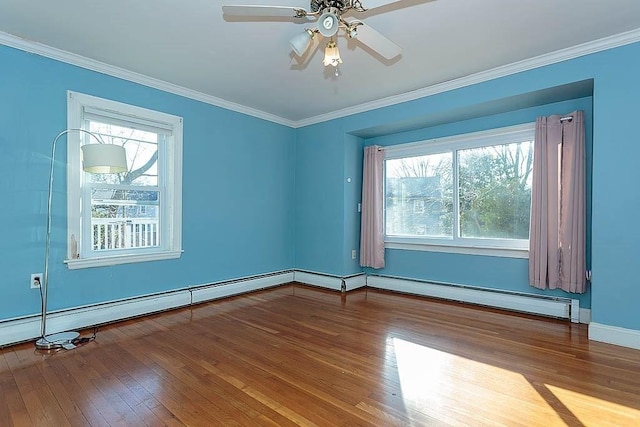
124	370
205	391
63	391
96	390
219	389
116	391
297	355
13	411
75	392
38	398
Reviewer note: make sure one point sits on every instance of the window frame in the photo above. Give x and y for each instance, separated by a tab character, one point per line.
79	253
511	248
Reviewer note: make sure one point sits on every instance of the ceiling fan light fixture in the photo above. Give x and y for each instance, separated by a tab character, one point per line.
331	55
352	29
328	24
329	17
300	42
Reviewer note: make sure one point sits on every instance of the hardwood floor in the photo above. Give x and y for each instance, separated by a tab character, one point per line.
296	355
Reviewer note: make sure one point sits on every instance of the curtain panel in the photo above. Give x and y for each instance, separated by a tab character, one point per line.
557	240
372	226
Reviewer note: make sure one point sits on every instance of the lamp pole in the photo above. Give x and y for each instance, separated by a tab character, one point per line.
61	339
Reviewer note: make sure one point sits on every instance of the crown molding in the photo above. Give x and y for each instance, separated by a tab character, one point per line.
606	43
110	70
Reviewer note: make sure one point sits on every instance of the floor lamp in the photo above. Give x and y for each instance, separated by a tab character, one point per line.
96	158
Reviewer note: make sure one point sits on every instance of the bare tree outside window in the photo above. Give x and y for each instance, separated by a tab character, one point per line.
125	206
493	194
495	191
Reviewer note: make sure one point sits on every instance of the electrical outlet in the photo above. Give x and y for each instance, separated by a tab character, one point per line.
36	280
353	254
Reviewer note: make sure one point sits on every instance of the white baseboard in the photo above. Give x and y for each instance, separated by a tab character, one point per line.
82	317
355	282
28	328
554	307
614	335
225	289
14	331
328	281
318	279
585	315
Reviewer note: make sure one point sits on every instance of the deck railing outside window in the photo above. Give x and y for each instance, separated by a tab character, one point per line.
124	234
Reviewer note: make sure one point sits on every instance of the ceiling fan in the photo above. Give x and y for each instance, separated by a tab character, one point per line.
330	15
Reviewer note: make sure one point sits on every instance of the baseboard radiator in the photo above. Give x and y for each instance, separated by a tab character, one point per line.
330	281
564	308
28	327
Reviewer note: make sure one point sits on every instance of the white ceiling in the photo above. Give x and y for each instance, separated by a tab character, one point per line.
190	44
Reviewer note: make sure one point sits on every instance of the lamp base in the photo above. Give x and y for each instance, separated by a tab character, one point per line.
53	341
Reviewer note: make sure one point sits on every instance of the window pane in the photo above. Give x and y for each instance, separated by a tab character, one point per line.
124	219
495	191
419	196
142	153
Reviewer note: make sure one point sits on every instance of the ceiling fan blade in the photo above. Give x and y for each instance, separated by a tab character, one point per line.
270	11
385	5
376	41
372	4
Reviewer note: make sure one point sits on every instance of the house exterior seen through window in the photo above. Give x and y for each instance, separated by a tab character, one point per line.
125	206
131	216
470	190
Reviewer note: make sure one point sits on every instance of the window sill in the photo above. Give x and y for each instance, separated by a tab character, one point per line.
468	250
75	264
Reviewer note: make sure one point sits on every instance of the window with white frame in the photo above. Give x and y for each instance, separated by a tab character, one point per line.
468	191
132	216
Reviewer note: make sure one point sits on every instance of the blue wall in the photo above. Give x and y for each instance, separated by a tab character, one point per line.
260	197
353	158
238	190
616	198
615	289
319	201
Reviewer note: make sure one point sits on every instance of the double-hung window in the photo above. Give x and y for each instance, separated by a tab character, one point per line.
467	193
131	216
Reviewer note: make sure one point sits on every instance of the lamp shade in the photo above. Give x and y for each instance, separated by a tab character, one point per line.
300	42
331	55
104	158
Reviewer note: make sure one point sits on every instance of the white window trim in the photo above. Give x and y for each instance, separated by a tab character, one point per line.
78	263
508	248
76	102
458	249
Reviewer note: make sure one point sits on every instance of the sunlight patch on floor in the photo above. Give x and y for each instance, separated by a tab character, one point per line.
584	406
456	389
421	370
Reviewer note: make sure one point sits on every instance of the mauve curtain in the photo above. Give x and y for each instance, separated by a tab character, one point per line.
558	205
372	227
